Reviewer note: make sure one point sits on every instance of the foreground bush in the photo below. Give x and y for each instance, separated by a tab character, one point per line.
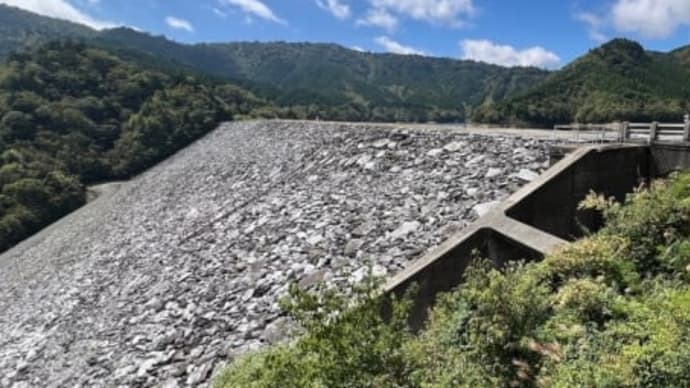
611	310
340	347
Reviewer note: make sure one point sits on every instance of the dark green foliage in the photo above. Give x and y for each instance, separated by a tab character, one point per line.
657	225
617	81
610	310
72	115
34	189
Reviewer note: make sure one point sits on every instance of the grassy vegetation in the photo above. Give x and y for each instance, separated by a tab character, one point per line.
611	310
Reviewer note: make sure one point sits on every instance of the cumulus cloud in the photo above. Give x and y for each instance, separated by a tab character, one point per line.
396	48
504	55
335	7
654	19
650	18
59	9
594	24
379	18
447	12
179	24
255	8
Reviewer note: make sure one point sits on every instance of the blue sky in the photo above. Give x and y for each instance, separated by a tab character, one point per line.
544	33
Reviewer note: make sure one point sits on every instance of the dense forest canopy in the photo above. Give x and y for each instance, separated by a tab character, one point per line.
72	115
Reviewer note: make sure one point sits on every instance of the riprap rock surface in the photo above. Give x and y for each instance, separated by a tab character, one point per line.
159	282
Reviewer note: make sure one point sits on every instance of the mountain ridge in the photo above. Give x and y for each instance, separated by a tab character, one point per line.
619	80
316	78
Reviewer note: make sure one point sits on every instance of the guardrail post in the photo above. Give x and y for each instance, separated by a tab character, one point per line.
653	131
624	131
686	130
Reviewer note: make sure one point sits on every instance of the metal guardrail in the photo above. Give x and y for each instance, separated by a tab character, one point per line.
635	132
588	133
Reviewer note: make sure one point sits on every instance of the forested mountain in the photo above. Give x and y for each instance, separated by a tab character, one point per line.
420	84
71	114
617	81
362	86
20	29
311	80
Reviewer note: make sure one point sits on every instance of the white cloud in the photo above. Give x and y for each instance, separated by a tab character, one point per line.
256	8
650	18
338	9
655	19
379	18
448	12
487	51
594	24
59	9
396	48
179	24
357	48
219	13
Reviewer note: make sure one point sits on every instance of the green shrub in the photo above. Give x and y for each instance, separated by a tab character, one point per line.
651	219
346	343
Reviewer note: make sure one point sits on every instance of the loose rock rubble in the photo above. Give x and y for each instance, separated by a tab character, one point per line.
160	283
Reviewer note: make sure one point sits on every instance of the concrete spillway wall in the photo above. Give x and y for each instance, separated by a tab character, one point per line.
541	216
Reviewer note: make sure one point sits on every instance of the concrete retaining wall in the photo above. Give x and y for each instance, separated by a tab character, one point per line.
552	207
666	158
539	217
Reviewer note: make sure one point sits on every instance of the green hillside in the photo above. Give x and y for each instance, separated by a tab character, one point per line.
20	29
303	73
71	115
309	80
334	82
617	81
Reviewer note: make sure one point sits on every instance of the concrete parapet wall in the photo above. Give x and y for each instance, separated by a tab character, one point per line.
666	158
539	217
552	206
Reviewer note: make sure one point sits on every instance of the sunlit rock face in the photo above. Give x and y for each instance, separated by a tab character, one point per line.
161	281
